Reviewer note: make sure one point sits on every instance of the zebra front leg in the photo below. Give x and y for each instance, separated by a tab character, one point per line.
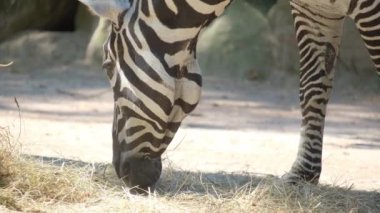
318	36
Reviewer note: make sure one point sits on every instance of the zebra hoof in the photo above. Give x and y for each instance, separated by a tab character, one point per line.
294	178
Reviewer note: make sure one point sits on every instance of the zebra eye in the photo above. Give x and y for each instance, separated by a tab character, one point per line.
108	66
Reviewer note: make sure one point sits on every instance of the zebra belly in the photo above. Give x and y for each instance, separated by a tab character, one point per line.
333	7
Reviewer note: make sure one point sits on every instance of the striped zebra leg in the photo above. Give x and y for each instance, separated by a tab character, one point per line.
318	35
366	15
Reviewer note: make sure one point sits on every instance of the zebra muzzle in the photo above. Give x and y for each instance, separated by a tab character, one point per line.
140	174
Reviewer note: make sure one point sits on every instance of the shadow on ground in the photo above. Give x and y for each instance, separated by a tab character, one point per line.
174	182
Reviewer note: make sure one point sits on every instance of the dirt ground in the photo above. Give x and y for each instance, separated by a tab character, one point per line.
245	126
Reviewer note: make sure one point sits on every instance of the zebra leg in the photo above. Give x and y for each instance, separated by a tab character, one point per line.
318	34
366	17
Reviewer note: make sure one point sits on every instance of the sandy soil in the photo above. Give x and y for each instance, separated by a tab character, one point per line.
238	127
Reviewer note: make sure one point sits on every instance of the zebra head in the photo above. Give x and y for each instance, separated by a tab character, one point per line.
150	61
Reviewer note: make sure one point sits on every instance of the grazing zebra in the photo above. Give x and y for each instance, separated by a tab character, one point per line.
150	60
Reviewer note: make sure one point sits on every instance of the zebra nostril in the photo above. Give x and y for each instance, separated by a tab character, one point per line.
125	170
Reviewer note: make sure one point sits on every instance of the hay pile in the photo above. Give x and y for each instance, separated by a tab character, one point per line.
247	193
27	184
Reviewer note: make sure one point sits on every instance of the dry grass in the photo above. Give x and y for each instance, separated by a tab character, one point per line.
27	184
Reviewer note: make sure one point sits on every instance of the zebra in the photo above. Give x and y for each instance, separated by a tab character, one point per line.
150	61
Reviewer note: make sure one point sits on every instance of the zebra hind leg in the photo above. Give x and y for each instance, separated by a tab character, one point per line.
318	36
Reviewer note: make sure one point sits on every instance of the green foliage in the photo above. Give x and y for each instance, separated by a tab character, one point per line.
17	15
262	5
237	42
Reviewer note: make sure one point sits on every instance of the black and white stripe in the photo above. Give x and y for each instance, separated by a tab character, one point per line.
150	59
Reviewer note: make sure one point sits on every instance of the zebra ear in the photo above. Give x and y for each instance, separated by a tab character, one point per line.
109	9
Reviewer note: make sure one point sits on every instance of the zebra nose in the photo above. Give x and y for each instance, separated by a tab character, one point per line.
141	174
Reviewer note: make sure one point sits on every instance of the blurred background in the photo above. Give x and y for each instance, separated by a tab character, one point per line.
249	59
254	39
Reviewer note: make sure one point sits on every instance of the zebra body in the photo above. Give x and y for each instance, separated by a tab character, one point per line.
150	60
